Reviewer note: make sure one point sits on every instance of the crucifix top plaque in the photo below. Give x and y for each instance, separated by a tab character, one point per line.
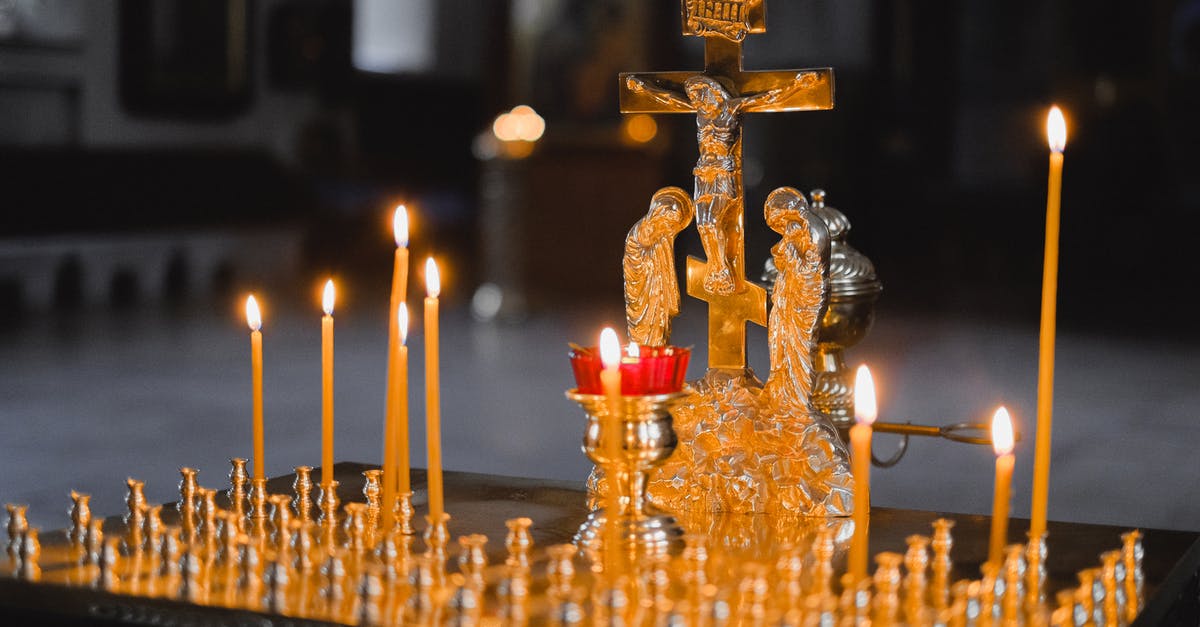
731	19
718	96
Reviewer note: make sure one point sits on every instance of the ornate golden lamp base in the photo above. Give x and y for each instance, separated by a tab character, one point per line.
626	448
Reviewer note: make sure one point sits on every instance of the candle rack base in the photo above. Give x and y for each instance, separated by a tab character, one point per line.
744	566
258	499
739	452
403	513
302	504
437	533
329	502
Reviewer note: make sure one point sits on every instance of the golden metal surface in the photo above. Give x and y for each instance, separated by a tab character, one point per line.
302	487
743	448
651	283
727	317
731	19
734	569
644	440
788	90
720	205
718	97
748	448
238	478
802	261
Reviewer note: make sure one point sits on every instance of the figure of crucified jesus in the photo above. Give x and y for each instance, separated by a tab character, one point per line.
718	172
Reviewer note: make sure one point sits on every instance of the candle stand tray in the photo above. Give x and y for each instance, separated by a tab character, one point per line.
481	504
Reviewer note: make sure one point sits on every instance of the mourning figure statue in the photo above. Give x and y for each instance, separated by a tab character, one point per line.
798	298
651	284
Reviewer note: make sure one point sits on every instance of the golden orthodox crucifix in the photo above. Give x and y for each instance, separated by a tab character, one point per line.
718	97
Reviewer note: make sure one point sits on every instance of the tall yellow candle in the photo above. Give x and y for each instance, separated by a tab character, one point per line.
254	320
327	384
860	466
610	381
396	461
401	387
1002	442
1056	133
433	421
395	434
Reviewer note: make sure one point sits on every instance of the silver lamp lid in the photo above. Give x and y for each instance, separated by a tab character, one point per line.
851	274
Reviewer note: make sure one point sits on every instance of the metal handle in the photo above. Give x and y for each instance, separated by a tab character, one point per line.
965	432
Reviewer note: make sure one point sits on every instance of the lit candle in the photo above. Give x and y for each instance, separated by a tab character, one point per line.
610	382
1056	133
395	435
610	377
860	465
254	320
433	425
1002	442
327	384
402	398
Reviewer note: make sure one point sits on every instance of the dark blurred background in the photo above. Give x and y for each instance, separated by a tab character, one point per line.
159	158
314	117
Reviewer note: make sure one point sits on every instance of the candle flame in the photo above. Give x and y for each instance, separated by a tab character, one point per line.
328	297
1056	129
433	280
402	322
865	410
253	316
610	348
400	226
634	350
1002	432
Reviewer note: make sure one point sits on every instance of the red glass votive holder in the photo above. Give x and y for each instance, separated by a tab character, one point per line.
656	370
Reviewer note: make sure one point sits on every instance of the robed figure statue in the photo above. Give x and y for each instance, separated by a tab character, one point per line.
651	284
798	301
798	297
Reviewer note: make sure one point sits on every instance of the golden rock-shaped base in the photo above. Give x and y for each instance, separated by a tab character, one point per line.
741	452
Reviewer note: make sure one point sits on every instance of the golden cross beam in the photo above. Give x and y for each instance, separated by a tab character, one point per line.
718	96
723	61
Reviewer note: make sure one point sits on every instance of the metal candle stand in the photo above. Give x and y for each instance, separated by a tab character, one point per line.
731	570
646	440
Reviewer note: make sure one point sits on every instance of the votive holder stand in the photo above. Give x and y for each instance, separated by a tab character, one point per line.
645	439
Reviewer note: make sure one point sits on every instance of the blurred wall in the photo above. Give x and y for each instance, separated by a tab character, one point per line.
92	69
